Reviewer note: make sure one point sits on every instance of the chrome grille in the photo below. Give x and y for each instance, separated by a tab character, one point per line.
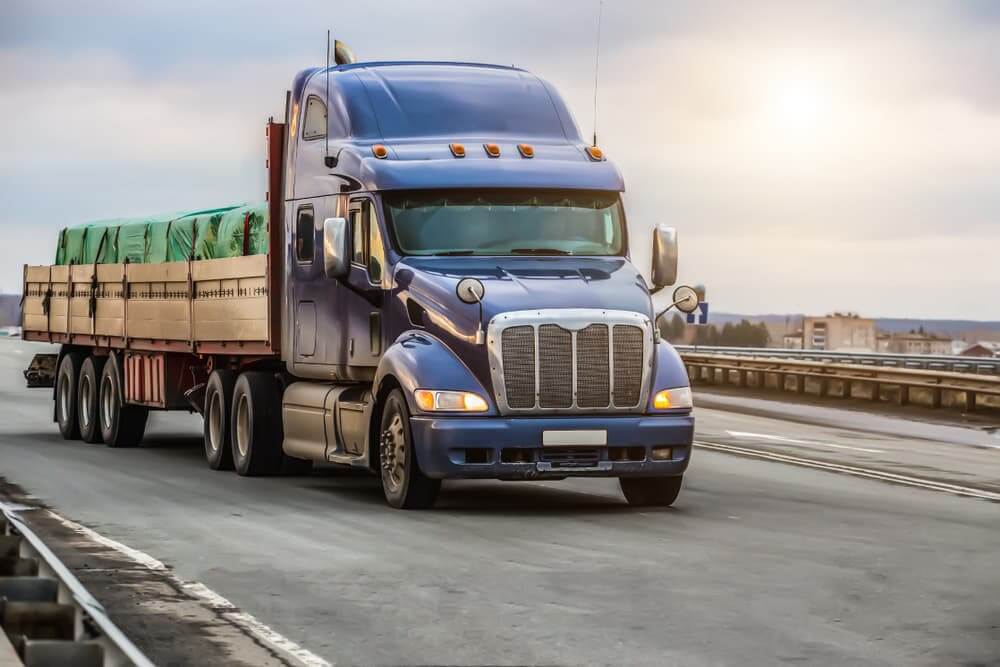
555	367
570	360
628	365
593	377
519	349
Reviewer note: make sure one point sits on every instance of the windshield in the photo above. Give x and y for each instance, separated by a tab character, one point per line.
503	222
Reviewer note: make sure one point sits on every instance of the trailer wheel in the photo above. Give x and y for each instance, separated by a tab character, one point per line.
88	399
405	486
121	425
651	491
67	379
218	404
256	432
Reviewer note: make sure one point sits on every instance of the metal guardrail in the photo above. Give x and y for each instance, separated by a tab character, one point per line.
978	365
901	385
46	613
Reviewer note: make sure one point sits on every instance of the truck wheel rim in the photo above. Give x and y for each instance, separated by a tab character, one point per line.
243	426
107	402
86	400
394	453
64	392
215	422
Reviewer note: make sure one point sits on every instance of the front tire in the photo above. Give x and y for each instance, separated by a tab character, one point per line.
650	491
255	427
218	418
405	486
88	399
67	379
122	425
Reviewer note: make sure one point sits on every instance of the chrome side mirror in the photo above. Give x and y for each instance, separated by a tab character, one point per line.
664	271
685	299
336	248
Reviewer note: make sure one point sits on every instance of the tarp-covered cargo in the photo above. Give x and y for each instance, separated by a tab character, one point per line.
229	231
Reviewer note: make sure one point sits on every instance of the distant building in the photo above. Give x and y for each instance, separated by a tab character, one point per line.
838	331
984	348
919	343
792	341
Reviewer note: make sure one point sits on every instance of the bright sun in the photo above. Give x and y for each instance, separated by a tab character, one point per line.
800	109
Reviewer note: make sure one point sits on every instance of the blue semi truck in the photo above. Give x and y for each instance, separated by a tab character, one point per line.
447	293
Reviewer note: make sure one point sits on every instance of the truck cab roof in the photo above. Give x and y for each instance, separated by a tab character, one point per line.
417	110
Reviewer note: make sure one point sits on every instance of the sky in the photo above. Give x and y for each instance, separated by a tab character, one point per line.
814	156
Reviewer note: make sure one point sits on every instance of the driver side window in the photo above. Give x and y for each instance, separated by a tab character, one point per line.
367	247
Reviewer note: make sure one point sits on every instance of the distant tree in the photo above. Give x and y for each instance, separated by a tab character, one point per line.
672	329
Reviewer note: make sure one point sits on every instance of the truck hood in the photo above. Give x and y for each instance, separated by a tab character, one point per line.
521	283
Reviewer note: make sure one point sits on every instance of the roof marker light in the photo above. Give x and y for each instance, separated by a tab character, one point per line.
526	150
380	151
595	153
493	150
458	150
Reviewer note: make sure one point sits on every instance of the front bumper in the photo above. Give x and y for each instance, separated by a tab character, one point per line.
511	447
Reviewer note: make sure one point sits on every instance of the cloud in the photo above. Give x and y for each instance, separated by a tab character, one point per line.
785	140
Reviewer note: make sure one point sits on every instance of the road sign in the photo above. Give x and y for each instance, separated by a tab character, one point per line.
699	316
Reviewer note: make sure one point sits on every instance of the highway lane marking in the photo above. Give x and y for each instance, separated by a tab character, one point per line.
793	441
855	471
226	609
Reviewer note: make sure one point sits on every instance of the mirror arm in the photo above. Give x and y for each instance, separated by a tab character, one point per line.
665	310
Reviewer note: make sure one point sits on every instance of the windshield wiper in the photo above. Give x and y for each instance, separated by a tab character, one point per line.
538	251
447	253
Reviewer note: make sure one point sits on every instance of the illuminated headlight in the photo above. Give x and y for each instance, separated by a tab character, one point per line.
430	400
671	399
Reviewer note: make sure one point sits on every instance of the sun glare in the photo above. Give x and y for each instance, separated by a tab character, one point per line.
800	108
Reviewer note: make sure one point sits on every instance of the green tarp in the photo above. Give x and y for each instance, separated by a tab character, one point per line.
203	234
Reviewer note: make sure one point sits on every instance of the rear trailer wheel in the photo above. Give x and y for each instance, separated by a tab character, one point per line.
650	491
255	425
405	486
217	411
121	425
88	399
67	379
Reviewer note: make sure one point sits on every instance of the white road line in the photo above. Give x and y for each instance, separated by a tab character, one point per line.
793	441
855	471
206	596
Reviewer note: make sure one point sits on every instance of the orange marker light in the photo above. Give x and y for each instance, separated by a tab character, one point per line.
527	150
493	150
458	150
595	153
380	151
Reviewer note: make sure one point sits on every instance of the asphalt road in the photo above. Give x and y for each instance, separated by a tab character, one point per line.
757	563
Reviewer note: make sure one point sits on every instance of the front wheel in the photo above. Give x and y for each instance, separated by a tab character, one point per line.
405	486
650	491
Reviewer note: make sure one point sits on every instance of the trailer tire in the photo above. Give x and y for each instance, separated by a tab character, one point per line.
122	425
651	491
88	402
218	419
67	379
256	432
403	482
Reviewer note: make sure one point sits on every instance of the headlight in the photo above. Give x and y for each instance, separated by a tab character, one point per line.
670	399
430	400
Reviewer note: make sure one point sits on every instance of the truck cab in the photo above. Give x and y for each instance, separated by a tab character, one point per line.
458	298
